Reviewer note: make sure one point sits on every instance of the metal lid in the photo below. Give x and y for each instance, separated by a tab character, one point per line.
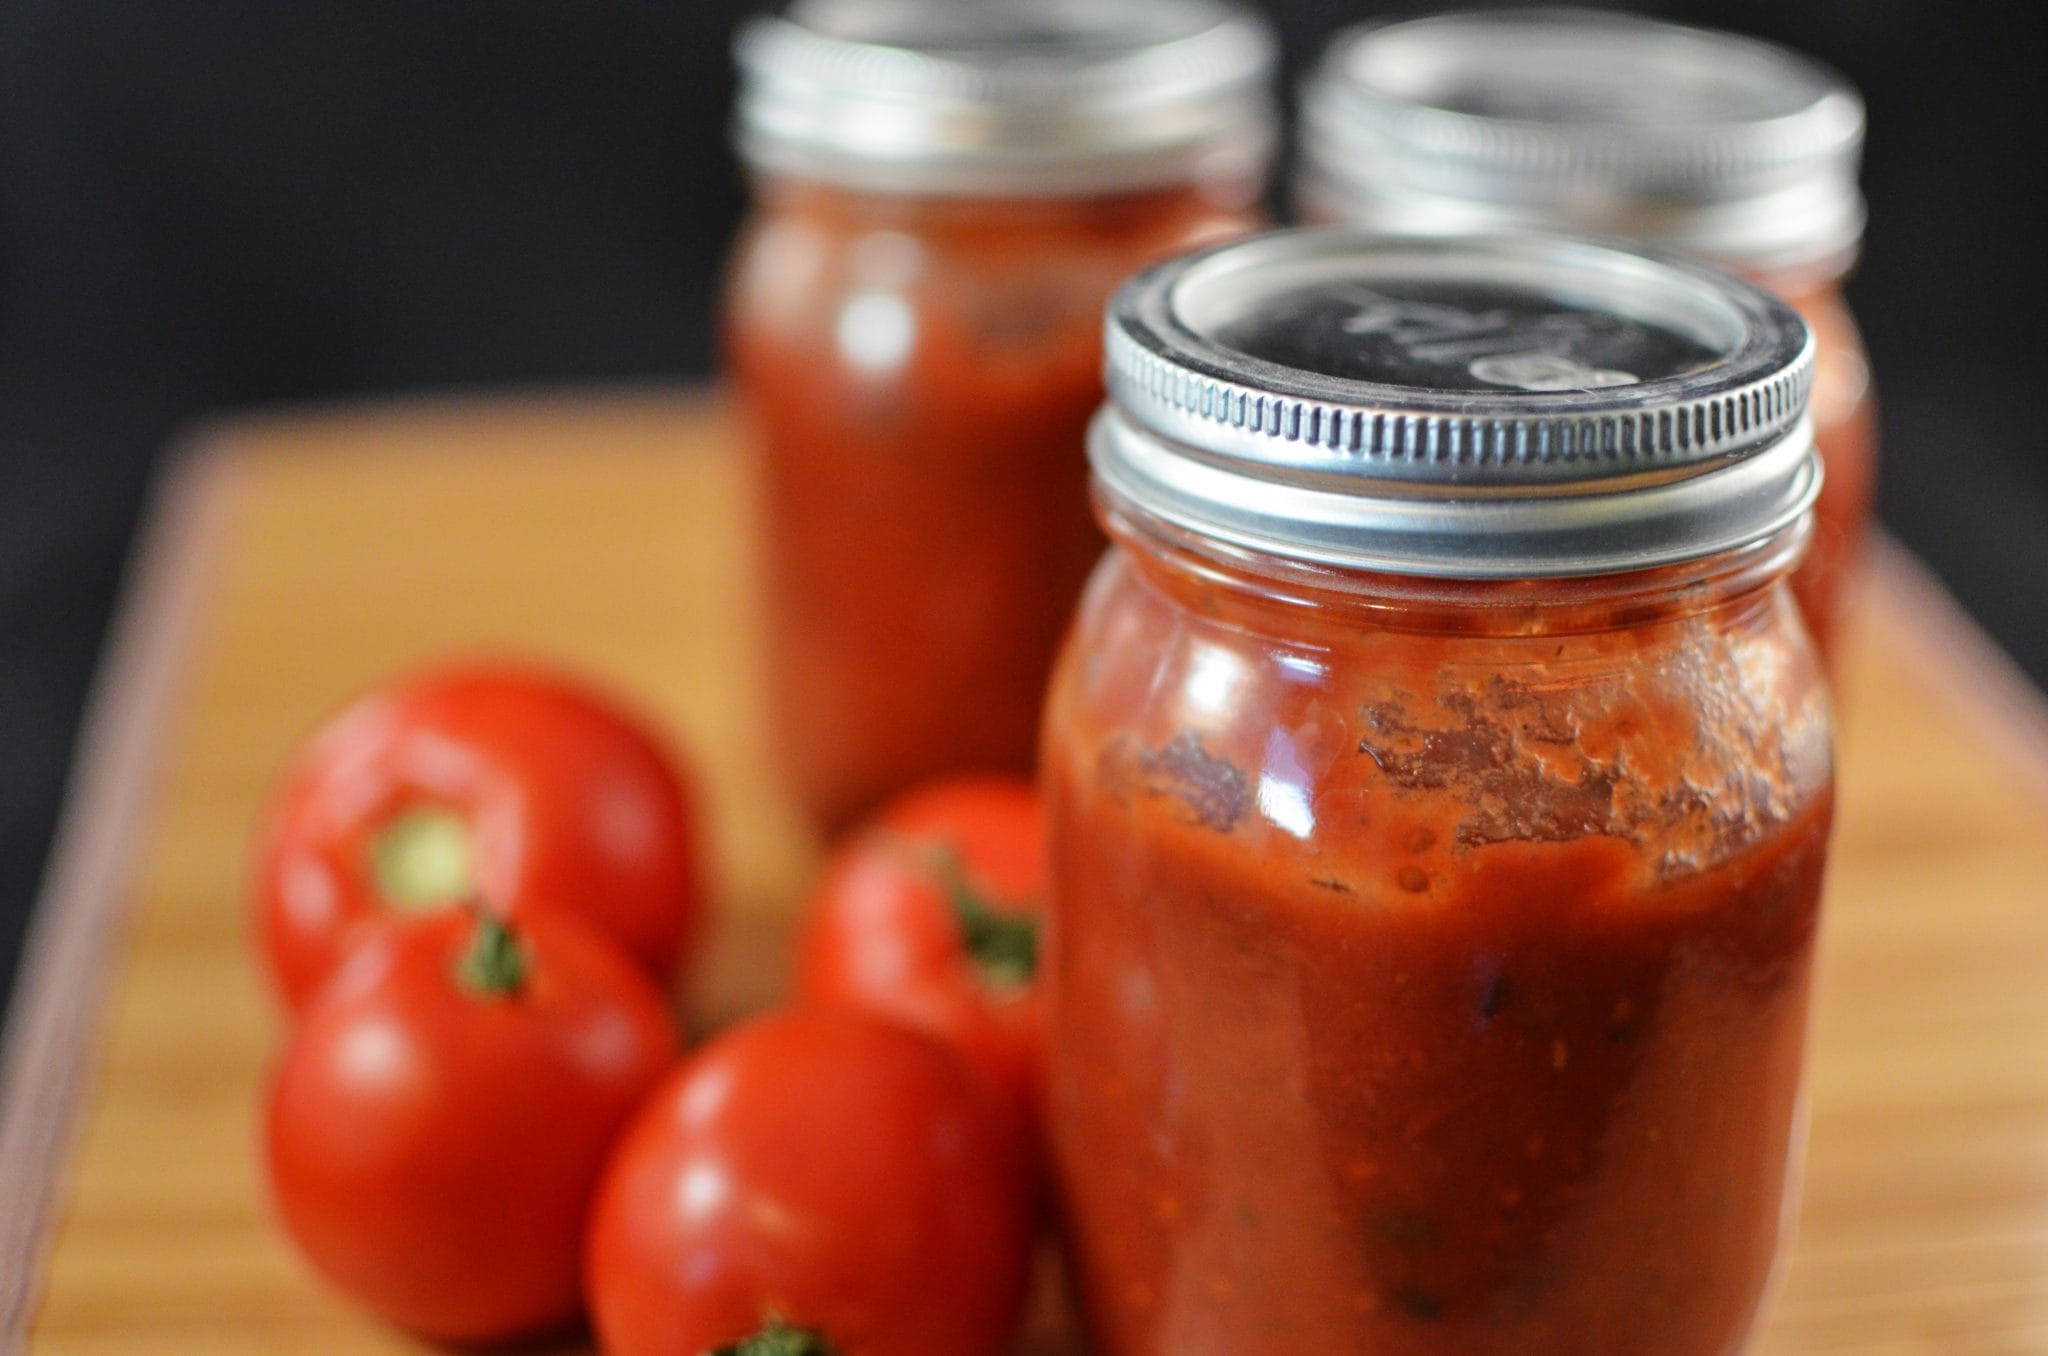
1579	120
1006	96
1472	407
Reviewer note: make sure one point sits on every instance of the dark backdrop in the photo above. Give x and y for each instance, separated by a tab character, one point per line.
207	205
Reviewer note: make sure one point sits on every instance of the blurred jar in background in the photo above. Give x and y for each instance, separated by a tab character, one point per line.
1438	777
946	195
1716	145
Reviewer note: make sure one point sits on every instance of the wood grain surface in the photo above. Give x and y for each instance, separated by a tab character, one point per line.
308	556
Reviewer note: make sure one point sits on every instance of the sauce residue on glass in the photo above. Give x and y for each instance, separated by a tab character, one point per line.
1430	981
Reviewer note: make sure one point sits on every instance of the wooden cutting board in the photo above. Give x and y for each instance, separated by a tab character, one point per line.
295	559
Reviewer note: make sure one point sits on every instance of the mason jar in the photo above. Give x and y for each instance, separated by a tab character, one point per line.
1439	779
945	198
1721	146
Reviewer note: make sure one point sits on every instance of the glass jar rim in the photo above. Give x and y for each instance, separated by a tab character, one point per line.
1487	606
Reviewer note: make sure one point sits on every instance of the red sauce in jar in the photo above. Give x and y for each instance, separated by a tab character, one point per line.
1431	962
919	372
1845	430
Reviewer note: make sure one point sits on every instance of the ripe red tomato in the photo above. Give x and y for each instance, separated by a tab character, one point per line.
930	915
487	782
442	1115
830	1171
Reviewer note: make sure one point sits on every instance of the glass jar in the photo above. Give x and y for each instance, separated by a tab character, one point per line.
945	200
1439	780
1720	146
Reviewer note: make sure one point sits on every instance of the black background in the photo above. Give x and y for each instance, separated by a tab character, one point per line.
209	206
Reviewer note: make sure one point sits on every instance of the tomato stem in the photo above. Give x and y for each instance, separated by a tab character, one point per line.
777	1338
1004	946
495	963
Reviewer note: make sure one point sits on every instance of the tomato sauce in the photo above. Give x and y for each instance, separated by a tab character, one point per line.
1431	961
919	372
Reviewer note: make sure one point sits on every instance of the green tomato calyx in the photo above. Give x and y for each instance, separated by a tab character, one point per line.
1002	945
495	964
777	1338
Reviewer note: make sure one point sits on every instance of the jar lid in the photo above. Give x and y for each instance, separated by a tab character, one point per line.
1480	407
1006	96
1580	120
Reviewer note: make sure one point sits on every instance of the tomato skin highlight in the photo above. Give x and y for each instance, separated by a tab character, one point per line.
825	1169
881	931
433	1150
563	802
